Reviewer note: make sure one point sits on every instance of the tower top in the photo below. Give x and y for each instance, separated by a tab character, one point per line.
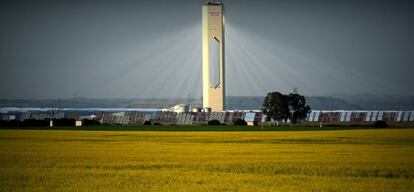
212	2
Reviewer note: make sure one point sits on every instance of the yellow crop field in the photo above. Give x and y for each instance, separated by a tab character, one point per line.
348	160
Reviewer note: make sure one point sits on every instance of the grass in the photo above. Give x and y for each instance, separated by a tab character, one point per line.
340	160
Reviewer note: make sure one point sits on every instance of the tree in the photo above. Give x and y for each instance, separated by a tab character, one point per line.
147	123
297	107
90	122
279	107
214	122
276	106
380	124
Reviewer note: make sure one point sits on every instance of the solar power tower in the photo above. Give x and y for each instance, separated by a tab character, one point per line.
213	55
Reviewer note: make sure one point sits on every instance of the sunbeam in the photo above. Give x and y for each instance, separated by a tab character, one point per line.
256	65
172	63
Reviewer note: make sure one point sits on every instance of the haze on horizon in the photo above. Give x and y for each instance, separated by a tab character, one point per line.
152	49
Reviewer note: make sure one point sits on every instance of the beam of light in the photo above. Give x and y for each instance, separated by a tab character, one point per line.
256	65
167	67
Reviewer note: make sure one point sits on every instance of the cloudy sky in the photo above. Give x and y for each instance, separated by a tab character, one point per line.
152	49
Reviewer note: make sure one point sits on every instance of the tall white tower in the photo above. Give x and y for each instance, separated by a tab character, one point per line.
213	55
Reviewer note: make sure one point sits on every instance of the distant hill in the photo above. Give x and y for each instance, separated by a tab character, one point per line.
90	103
378	102
316	103
332	102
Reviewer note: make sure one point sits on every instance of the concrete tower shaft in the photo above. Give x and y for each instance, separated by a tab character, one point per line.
213	55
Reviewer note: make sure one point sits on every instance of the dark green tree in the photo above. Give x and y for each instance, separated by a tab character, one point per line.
276	106
214	122
280	107
297	107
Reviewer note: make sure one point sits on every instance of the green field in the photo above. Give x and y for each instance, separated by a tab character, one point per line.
196	128
319	160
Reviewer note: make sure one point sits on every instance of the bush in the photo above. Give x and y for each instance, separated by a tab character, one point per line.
380	124
159	124
36	123
13	123
214	122
240	122
88	122
64	122
147	123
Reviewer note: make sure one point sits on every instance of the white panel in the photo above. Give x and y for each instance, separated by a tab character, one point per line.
368	117
310	118
348	116
249	116
214	62
380	115
343	116
317	114
406	116
412	116
374	116
399	116
264	118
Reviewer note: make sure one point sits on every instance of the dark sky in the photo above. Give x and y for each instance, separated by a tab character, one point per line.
129	49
